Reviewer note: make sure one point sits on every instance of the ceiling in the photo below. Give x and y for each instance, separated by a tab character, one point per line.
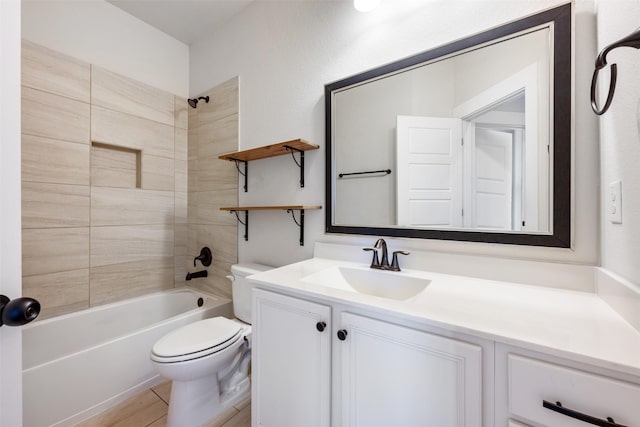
185	20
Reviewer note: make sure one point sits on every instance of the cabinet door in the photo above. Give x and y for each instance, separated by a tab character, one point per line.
291	361
396	376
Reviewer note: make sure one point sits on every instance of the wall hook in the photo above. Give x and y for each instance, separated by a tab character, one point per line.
632	40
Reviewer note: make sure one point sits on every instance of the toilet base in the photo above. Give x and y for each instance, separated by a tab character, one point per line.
196	402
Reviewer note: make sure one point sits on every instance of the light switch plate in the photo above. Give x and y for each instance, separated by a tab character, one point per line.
615	202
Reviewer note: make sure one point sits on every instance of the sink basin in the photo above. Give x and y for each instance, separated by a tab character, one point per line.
379	283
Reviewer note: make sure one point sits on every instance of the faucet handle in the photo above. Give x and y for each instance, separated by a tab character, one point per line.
375	262
205	257
395	266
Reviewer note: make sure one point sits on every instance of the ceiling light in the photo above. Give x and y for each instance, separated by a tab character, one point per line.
365	5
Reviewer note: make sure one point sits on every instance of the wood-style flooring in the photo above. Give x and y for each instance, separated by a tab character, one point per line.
149	409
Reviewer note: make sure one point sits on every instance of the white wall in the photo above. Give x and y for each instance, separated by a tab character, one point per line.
620	140
10	250
99	33
285	52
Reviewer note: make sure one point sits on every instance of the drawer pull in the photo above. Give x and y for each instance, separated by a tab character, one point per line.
557	407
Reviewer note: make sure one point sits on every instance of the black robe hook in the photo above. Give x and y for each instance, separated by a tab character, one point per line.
632	40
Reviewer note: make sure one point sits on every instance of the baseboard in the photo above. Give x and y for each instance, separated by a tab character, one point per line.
622	295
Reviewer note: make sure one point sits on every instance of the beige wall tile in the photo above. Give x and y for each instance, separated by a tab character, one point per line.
180	239
115	167
157	173
54	72
122	94
206	209
192	142
58	293
181	176
54	161
180	269
181	113
54	205
130	206
215	174
54	116
116	282
223	101
129	243
51	250
192	175
180	208
222	240
181	144
218	136
216	282
126	130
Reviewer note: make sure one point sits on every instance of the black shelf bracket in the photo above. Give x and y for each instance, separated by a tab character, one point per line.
300	164
245	173
300	223
245	223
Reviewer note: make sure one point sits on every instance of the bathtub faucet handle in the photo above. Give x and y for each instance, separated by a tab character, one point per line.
205	257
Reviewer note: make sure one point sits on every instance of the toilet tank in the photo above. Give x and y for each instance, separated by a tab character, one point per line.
241	288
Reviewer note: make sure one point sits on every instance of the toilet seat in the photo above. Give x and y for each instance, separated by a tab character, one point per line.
196	340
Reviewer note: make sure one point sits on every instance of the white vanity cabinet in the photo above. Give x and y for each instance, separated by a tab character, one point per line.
291	361
539	390
383	374
392	375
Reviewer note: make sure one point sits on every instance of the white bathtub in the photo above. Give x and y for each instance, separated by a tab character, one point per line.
79	364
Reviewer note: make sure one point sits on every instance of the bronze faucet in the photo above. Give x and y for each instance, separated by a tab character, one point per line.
384	263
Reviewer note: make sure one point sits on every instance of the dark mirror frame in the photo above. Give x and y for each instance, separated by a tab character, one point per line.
562	88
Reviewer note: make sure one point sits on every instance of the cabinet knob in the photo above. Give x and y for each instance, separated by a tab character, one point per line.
320	326
342	334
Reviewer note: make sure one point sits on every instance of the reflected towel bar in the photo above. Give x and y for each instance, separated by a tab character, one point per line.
385	171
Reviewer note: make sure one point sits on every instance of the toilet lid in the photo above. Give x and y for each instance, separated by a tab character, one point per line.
208	334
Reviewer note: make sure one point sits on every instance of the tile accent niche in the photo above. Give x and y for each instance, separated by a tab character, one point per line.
212	184
104	184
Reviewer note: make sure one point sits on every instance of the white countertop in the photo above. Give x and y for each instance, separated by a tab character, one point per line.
571	324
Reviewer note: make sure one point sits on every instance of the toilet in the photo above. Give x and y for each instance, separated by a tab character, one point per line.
208	360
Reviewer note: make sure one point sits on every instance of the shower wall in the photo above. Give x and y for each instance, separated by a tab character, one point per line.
212	184
104	184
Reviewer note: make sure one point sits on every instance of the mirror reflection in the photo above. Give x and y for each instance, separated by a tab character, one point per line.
462	142
467	141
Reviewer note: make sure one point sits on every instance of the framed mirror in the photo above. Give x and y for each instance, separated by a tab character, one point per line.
468	141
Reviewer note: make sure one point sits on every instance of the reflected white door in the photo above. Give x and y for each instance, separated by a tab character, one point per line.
492	179
429	165
10	255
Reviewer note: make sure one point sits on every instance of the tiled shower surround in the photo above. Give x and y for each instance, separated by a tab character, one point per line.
105	187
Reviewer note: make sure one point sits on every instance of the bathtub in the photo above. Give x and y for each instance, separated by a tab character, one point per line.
79	364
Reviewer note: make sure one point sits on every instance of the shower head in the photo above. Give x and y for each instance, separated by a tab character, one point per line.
194	102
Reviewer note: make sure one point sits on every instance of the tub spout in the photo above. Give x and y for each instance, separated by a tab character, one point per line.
202	273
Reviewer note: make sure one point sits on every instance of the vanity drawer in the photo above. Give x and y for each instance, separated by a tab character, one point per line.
532	381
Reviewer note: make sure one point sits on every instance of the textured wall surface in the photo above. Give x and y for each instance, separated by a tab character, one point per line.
103	182
102	34
285	52
213	183
620	140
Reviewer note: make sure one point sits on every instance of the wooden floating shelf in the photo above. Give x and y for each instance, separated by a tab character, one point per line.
269	151
288	208
271	208
288	147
